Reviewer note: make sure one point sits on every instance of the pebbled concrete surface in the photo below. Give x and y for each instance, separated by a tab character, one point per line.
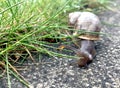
103	72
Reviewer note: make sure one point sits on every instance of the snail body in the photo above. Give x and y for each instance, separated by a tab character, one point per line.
86	52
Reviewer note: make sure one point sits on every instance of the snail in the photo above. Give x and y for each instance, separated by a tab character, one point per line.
89	26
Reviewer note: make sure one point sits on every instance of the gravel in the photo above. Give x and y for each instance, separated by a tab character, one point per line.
103	72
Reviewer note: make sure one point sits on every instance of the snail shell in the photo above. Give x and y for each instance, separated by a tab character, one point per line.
87	23
73	17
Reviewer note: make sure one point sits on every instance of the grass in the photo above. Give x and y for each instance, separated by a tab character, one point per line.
24	24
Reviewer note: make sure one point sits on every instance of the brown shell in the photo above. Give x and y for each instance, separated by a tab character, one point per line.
89	26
